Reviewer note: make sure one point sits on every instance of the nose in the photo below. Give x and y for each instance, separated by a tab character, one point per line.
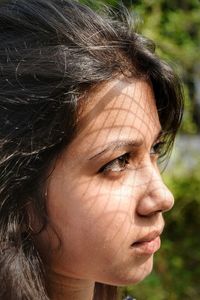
156	197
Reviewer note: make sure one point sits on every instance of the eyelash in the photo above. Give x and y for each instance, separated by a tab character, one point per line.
157	148
123	161
120	162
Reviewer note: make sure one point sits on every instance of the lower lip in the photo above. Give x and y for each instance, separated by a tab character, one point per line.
147	247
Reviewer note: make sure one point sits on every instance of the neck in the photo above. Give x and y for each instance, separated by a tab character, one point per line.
61	287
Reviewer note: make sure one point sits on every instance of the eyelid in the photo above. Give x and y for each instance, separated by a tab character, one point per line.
159	144
108	166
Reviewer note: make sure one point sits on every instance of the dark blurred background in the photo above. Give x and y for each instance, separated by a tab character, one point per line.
175	27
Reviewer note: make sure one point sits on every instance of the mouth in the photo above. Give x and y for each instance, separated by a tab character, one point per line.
148	244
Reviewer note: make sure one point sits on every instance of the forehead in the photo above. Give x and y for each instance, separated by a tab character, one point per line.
120	109
121	102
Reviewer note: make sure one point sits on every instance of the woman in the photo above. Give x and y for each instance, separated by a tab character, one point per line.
86	111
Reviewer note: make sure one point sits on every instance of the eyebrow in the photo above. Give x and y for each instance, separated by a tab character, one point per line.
117	144
114	145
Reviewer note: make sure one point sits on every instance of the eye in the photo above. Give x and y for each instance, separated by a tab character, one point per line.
157	149
117	165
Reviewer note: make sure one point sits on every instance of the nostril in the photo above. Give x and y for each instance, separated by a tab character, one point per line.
150	214
155	212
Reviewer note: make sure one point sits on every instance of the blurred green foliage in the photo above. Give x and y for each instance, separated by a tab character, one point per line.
175	28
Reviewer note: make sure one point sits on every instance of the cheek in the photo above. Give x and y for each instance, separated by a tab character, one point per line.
108	205
106	215
96	213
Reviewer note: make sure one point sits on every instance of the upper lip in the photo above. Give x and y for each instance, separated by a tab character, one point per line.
149	237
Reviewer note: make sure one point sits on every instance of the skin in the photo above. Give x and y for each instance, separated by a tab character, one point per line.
105	194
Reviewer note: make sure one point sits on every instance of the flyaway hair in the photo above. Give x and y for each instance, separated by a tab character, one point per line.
51	54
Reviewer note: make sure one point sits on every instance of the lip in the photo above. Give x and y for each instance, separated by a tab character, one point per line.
148	244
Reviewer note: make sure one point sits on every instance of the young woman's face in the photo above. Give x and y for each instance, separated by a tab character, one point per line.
105	196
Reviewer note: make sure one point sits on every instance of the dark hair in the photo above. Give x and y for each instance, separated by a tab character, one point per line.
51	53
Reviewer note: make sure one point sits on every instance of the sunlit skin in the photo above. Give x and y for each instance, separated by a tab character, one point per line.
105	196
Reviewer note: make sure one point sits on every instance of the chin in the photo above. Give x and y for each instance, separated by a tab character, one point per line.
137	274
130	275
143	271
